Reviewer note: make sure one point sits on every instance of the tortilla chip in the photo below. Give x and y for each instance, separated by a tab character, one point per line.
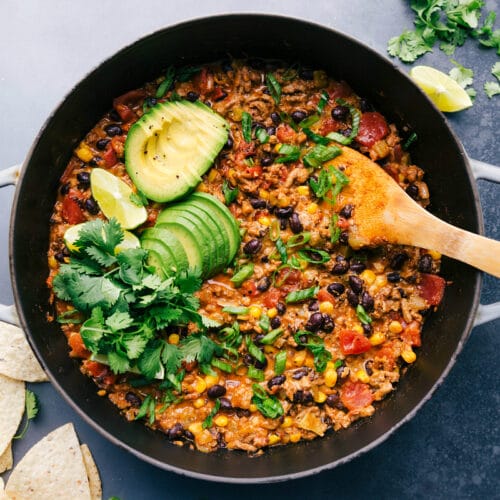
12	396
16	357
92	473
52	469
3	496
6	459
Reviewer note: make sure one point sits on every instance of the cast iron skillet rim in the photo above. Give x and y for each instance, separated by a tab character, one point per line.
239	480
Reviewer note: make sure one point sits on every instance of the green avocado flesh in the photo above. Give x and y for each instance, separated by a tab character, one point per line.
170	147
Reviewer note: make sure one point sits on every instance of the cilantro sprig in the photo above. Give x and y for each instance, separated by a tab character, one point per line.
31	409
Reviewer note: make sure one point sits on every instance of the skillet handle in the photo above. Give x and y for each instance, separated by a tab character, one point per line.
482	170
9	314
9	176
487	313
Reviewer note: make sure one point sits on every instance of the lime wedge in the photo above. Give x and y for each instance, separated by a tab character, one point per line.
130	240
114	198
443	91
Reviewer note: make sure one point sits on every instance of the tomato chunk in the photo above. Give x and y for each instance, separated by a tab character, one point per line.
431	288
356	395
338	90
71	211
372	128
329	125
109	156
353	342
272	297
126	114
78	349
285	133
411	334
325	296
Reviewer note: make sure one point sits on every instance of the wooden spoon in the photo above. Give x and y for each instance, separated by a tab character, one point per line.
384	213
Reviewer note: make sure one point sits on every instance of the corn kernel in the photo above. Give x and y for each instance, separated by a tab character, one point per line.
330	365
283	201
309	361
273	439
277	147
173	338
395	327
320	397
272	313
312	208
201	188
270	349
303	190
52	262
377	338
200	385
299	358
252	408
199	402
221	421
434	254
401	177
326	307
357	329
409	356
330	377
380	281
101	392
287	422
295	437
212	175
211	380
84	152
195	428
265	221
303	264
362	376
264	194
255	311
368	276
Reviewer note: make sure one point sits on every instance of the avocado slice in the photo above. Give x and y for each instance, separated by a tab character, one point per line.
156	262
170	147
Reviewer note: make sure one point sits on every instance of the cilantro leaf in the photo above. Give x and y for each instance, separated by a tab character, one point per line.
31	409
118	362
408	46
492	89
131	263
200	348
93	330
171	357
463	76
149	361
495	71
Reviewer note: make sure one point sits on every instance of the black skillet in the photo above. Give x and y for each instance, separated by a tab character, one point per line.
437	151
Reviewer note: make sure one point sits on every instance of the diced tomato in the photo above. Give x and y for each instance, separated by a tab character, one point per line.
356	395
353	342
249	288
117	143
289	279
431	288
338	90
411	334
78	349
272	297
255	171
329	125
126	114
131	98
218	94
372	128
325	296
343	223
109	156
243	150
95	369
387	354
71	210
204	80
285	133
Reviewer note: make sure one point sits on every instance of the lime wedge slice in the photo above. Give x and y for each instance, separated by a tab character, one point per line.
443	91
113	197
130	240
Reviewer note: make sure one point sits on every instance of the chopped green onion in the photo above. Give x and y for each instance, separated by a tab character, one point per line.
274	87
184	74
286	118
295	263
341	181
291	72
355	119
249	162
298	239
413	137
274	230
319	139
280	362
246	126
222	365
235	310
208	421
255	373
300	295
334	229
271	336
264	322
164	86
323	101
322	185
363	315
230	192
338	363
147	408
314	255
288	153
316	345
320	154
262	135
243	274
310	120
254	350
268	405
68	317
280	246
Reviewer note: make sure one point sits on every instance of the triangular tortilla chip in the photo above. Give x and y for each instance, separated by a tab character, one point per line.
92	473
16	357
52	469
6	459
3	496
12	396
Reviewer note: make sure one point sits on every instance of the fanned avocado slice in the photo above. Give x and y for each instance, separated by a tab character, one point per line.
170	147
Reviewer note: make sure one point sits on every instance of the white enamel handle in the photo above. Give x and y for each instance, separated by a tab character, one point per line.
9	176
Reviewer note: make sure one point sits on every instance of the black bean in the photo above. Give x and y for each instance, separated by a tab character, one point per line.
252	247
295	223
336	289
114	115
267	160
357	267
425	263
258	203
133	399
271	130
367	301
412	279
283	224
258	338
94	161
189	435
176	432
192	96
264	259
277	380
266	91
263	284
64	189
301	372
150	101
412	191
313	306
284	213
367	329
229	143
402	293
91	206
83	179
340	113
356	283
352	298
346	132
216	391
306	74
281	308
302	397
59	256
398	261
342	374
298	116
344	238
242	412
328	324
275	117
368	367
365	105
393	277
248	360
346	211
225	404
315	322
101	144
275	322
333	400
113	129
260	364
340	267
220	440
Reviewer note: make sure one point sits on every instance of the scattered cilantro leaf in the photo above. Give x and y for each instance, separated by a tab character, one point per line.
31	409
408	46
208	422
492	89
230	192
463	76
